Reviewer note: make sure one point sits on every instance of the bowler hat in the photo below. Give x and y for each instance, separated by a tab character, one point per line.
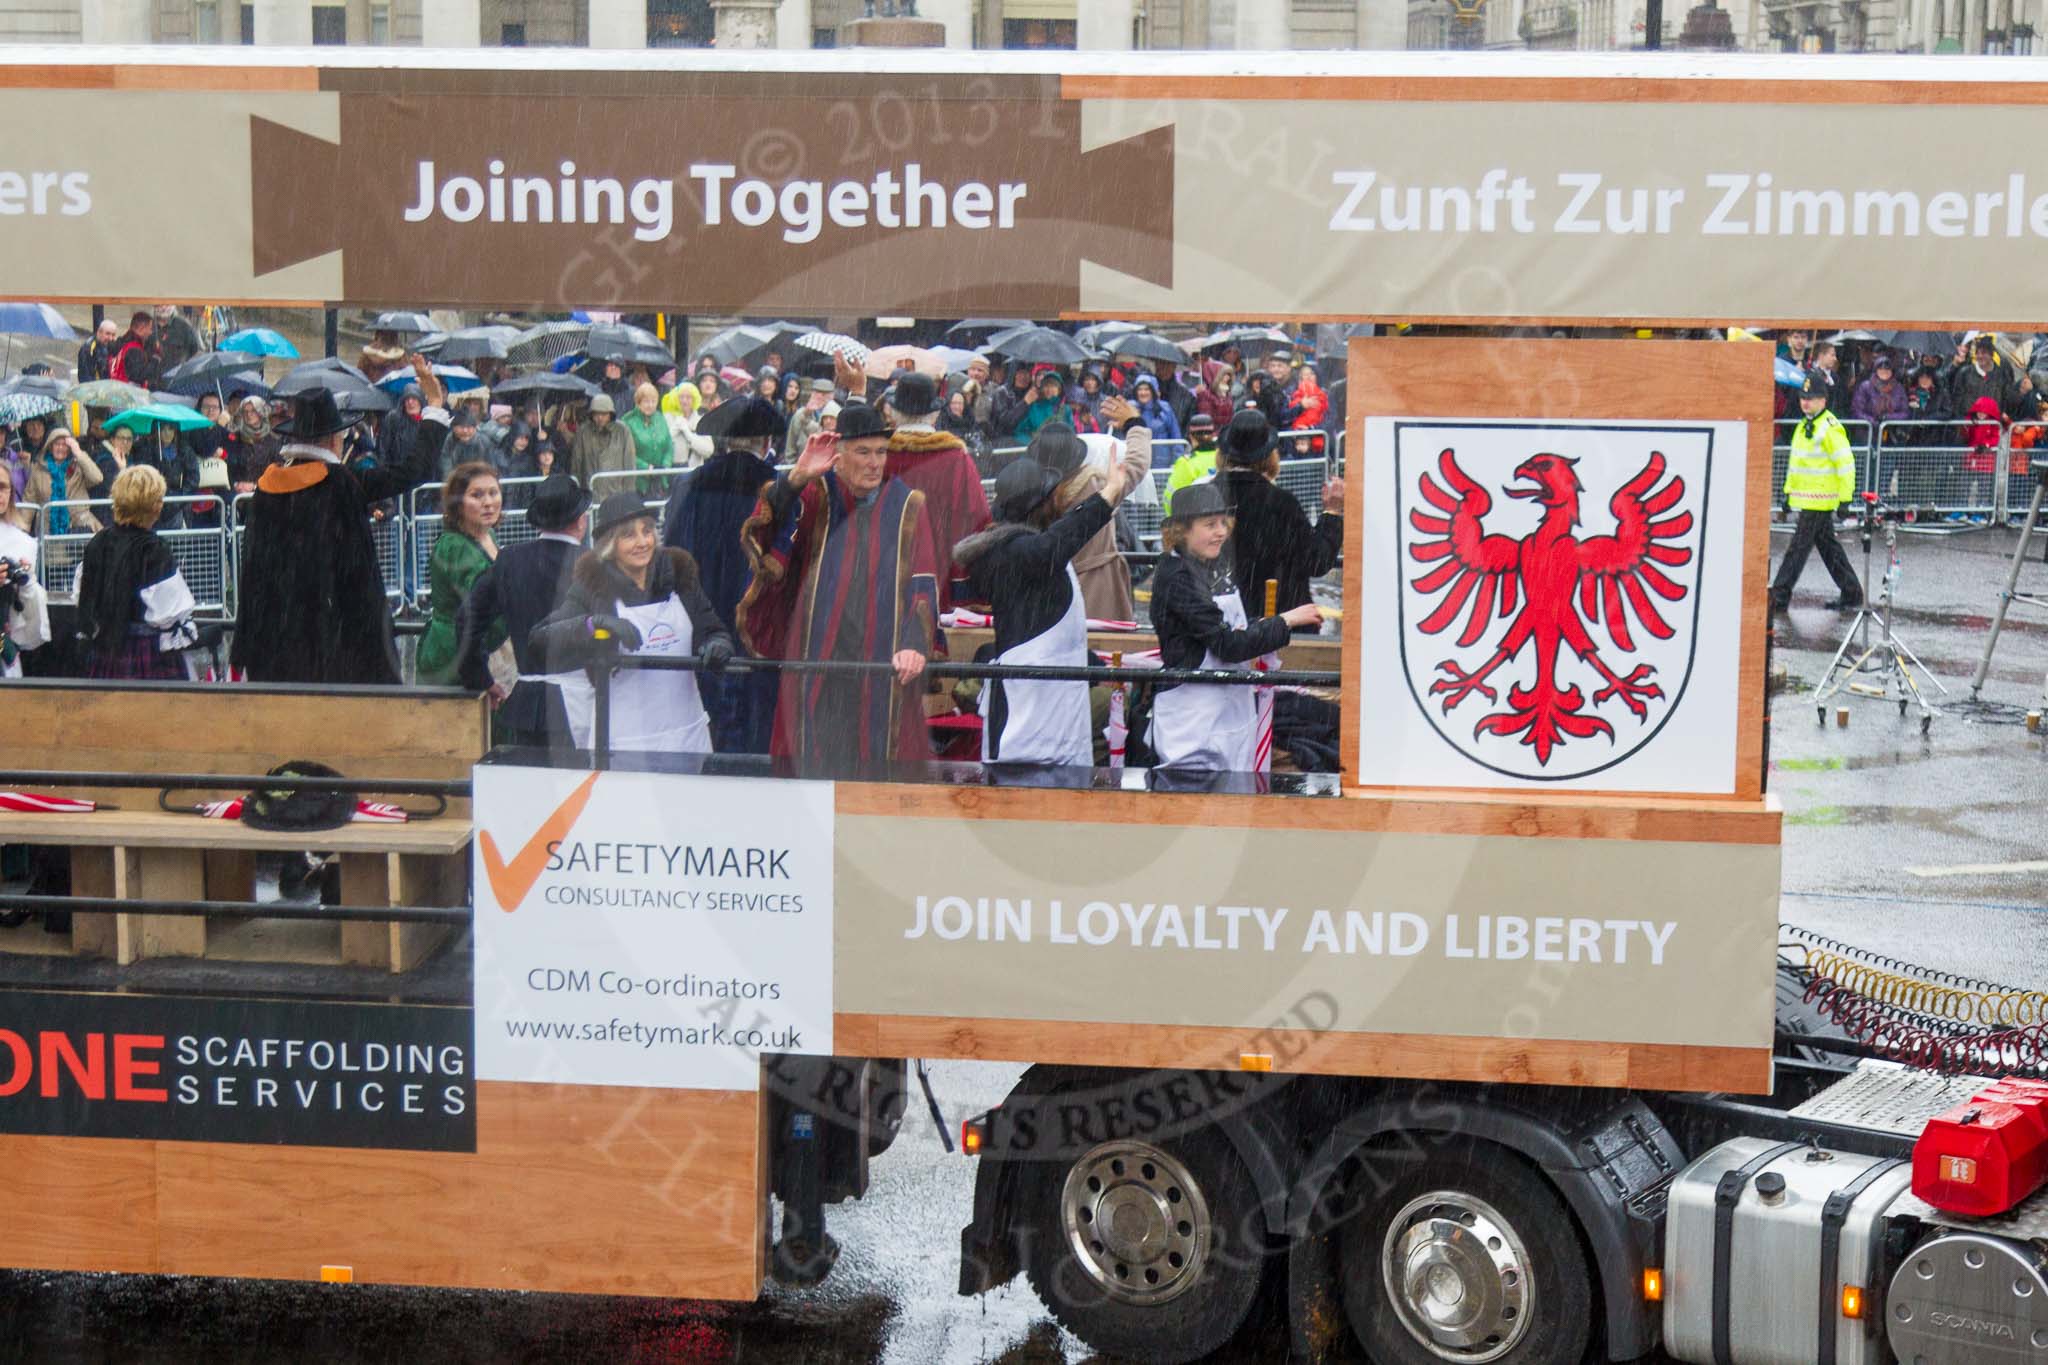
1203	499
1247	440
915	395
315	414
1022	488
557	503
616	510
858	421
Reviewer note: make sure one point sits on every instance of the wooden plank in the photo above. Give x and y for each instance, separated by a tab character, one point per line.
224	78
446	834
1584	380
424	881
575	1189
366	880
1516	815
79	1204
230	874
1575	89
92	874
168	874
1522	1061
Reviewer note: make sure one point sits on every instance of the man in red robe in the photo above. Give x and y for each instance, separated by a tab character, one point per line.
844	569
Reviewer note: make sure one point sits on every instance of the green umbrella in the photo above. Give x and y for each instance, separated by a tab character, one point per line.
107	393
141	419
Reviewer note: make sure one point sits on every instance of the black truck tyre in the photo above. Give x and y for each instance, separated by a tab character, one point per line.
1469	1257
1149	1252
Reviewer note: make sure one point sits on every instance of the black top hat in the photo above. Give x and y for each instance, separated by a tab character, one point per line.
557	503
1816	386
1199	500
1056	447
742	417
618	509
315	414
915	395
857	421
1248	439
1022	488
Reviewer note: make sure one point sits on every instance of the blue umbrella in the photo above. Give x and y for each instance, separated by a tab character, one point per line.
260	340
1789	374
453	378
35	320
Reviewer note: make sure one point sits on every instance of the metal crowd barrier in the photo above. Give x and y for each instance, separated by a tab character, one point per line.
425	529
1928	465
201	551
653	486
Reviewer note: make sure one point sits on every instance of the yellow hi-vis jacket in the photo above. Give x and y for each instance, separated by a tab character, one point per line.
1821	473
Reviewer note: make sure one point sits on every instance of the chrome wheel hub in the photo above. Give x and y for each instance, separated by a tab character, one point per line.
1137	1222
1458	1275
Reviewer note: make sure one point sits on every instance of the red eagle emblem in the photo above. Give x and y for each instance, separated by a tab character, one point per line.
1552	589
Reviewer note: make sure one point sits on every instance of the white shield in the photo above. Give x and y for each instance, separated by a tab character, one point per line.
1575	722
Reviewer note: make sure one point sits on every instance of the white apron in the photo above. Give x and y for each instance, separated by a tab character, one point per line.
1213	728
1048	722
652	711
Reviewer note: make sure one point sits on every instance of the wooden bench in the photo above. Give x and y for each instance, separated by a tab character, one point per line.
135	851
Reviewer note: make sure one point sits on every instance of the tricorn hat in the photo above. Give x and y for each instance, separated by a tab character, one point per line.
858	421
616	510
557	503
315	414
1204	499
1247	440
1022	488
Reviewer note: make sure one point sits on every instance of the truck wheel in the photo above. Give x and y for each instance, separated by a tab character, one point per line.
1472	1259
1153	1253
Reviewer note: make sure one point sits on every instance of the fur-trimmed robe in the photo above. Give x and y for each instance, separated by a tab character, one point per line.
936	464
846	580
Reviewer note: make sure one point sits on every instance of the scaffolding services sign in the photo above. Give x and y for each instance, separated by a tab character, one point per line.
647	929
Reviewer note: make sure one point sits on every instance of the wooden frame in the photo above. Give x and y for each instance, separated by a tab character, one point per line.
1698	381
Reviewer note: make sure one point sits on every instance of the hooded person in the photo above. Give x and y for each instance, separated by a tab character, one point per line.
601	445
1274	539
525	586
844	570
707	508
1153	413
633	595
937	464
1048	398
1022	566
466	444
252	443
1201	622
1082	463
313	608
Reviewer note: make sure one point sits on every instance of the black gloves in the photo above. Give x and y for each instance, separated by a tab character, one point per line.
715	654
623	632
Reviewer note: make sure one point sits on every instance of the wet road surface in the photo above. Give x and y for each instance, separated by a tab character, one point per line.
1913	845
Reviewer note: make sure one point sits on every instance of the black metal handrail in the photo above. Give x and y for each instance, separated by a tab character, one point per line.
343	914
388	786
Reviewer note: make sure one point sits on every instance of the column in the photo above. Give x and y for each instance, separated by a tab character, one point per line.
115	21
281	23
958	17
1383	25
793	24
1104	25
451	23
743	23
617	23
1264	25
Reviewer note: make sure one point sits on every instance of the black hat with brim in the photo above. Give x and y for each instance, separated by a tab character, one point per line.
557	503
742	418
1022	489
616	510
915	395
1815	386
1204	499
1059	448
1247	440
859	421
315	414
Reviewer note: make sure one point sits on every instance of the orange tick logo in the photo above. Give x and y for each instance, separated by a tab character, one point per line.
510	882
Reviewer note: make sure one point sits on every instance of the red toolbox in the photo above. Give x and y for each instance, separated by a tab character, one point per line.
1987	1154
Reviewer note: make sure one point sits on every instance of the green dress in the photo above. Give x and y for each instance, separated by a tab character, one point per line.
457	563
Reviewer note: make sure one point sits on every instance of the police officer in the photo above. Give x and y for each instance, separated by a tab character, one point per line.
1819	477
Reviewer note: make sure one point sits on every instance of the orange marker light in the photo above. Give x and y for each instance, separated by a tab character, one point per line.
1653	1285
1852	1301
1255	1061
337	1274
972	1136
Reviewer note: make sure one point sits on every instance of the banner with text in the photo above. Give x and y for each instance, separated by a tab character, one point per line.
1596	940
951	193
650	930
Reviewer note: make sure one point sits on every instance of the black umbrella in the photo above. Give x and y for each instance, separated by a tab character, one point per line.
547	341
1144	346
626	345
1942	344
738	345
752	416
1250	341
986	326
48	385
492	342
405	324
352	391
1096	336
546	383
201	370
1039	346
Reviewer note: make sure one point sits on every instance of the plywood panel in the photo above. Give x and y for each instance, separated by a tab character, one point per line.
1518	1061
75	1204
581	1189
